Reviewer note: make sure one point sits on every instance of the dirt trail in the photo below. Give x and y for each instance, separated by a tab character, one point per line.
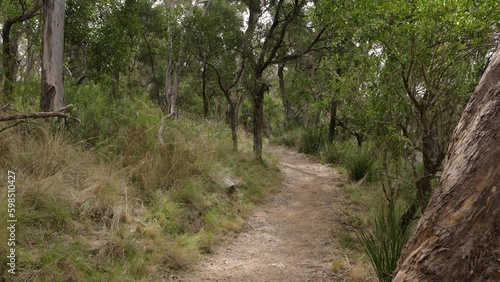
287	238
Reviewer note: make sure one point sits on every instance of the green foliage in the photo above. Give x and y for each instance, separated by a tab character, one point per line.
289	138
361	163
385	241
311	141
336	152
396	68
102	117
168	199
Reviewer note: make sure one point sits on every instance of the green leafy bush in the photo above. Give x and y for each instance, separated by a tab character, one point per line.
311	141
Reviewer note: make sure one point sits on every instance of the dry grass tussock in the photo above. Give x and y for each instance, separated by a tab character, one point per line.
133	209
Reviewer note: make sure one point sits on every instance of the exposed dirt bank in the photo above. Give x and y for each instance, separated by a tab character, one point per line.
288	237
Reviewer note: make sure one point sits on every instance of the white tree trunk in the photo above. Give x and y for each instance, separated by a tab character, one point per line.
52	96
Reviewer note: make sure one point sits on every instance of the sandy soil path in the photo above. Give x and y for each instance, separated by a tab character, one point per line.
288	237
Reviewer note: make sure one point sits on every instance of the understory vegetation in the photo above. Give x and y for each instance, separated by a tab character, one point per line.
378	218
103	200
137	128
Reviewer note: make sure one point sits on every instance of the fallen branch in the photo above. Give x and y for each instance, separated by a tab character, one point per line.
60	113
10	126
34	115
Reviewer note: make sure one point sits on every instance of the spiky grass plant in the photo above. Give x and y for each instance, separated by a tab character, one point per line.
360	163
311	141
385	241
335	152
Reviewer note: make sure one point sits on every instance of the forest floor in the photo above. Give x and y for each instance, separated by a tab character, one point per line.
290	236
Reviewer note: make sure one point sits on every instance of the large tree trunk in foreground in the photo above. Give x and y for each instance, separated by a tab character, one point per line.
458	237
52	96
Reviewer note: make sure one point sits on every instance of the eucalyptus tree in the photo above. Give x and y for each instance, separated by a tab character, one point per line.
103	38
81	24
425	57
221	53
14	12
262	41
52	90
177	12
437	51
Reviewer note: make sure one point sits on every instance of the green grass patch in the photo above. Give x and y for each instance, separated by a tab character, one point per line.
137	208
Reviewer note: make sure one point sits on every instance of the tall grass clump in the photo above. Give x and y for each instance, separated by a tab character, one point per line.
385	241
335	152
360	163
289	138
311	141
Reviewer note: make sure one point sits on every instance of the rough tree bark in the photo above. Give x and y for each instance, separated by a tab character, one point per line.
333	113
333	120
458	236
52	95
258	118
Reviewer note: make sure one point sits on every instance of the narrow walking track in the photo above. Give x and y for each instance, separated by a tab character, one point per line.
287	238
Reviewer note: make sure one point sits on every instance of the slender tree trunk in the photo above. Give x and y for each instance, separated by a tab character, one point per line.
7	59
458	236
30	63
115	85
10	63
258	120
424	184
287	107
333	120
175	91
52	96
171	87
1	80
204	91
233	112
333	113
306	117
9	49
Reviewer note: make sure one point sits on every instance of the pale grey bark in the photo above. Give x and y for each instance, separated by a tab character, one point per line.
52	94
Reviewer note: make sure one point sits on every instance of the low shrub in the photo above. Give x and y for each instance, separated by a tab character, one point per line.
336	152
311	141
289	139
361	163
